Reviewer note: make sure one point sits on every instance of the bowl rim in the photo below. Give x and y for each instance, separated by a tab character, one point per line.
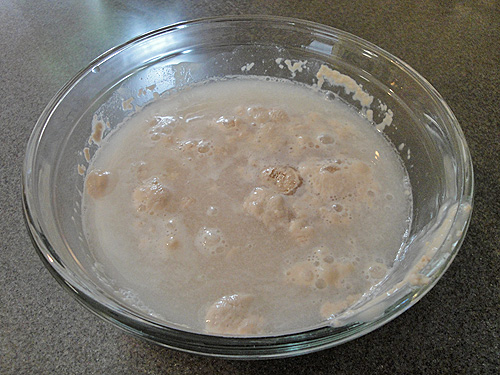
227	346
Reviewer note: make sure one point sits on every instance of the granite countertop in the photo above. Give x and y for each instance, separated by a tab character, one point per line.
454	329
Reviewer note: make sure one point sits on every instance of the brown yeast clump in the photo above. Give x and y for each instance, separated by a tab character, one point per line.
99	183
285	179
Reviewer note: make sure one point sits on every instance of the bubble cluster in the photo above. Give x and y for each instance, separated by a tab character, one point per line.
338	179
335	213
262	114
234	314
131	298
268	207
229	123
210	241
173	232
200	147
319	270
151	197
161	240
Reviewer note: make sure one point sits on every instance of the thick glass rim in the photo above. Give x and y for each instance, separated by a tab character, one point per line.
222	346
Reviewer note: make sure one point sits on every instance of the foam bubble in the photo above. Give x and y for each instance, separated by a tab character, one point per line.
212	211
320	284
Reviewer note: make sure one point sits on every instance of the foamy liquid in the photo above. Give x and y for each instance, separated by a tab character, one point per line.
246	206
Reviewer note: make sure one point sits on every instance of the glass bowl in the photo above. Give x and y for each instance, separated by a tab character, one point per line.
424	131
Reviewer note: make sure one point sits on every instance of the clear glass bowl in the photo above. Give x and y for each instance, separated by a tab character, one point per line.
439	166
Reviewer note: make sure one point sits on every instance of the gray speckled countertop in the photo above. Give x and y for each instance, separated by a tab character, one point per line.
454	329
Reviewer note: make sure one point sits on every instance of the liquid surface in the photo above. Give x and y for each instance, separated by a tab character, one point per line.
246	207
